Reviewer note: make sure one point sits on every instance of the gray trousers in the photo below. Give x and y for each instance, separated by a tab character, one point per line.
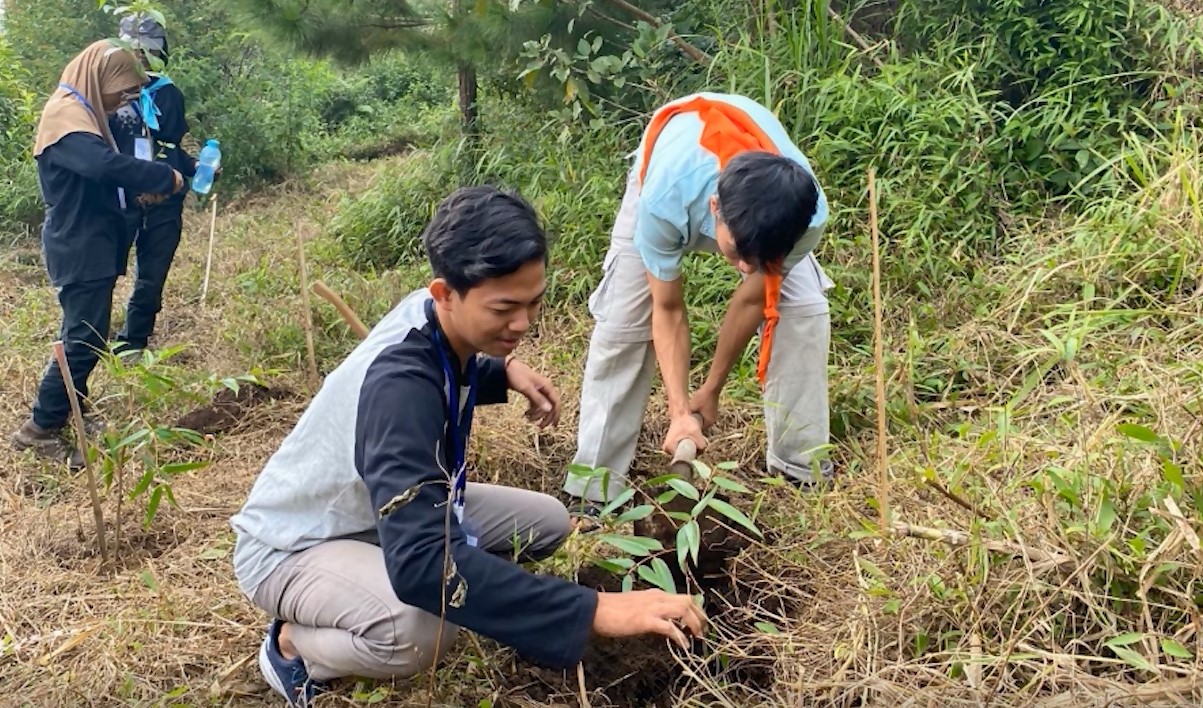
347	621
622	361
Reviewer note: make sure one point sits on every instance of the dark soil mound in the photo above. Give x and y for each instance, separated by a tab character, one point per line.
229	409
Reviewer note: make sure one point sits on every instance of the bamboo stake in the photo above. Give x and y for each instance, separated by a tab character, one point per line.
81	439
308	321
580	681
883	475
959	539
357	326
209	258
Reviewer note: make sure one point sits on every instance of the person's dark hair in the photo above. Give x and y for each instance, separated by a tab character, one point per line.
481	233
768	202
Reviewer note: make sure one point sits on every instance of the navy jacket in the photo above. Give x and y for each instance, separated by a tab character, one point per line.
85	234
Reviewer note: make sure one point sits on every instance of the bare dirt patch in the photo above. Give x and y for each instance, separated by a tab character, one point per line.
229	410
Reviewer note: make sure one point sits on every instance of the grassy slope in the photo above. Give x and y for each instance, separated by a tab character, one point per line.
867	620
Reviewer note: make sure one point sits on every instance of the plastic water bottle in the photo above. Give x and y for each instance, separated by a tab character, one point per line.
210	160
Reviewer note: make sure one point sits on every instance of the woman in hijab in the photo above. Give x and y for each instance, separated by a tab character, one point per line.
84	181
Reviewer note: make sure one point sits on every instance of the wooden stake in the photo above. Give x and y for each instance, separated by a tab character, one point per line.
308	321
883	474
357	326
81	439
209	259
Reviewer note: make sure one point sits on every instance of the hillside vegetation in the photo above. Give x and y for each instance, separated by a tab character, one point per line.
1038	169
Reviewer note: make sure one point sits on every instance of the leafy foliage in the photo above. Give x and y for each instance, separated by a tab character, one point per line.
19	205
384	228
275	113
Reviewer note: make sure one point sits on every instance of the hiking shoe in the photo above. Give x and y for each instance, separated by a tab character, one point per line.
824	478
44	442
288	678
75	461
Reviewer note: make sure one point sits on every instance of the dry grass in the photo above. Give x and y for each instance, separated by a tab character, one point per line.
846	616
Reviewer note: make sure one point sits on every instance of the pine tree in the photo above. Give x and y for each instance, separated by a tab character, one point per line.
466	34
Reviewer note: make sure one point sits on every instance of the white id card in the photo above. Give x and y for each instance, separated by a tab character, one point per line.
142	149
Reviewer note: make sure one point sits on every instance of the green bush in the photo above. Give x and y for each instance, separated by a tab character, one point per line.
46	34
413	79
275	113
382	228
269	127
20	204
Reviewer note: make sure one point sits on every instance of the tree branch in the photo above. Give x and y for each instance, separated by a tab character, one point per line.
856	37
960	539
592	9
694	53
411	23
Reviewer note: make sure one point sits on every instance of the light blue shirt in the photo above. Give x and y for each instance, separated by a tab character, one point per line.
673	213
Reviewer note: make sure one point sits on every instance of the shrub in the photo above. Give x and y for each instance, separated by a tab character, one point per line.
20	204
382	228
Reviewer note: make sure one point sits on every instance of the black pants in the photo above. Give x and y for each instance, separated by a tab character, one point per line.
87	307
154	250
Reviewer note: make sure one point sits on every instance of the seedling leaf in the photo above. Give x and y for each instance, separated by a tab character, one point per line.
685	488
734	514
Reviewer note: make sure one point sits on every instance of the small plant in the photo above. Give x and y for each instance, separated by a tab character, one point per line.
688	506
148	391
255	377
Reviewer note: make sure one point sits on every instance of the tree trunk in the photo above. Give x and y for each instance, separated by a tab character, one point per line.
466	80
468	115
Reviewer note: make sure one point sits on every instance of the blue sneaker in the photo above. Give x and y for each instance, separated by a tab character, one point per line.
289	678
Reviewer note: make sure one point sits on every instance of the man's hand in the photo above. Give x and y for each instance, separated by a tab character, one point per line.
682	427
630	614
178	181
704	402
544	408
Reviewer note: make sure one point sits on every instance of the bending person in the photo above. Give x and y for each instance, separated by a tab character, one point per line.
714	173
152	128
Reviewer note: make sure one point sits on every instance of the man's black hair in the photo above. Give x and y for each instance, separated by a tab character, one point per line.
767	201
481	233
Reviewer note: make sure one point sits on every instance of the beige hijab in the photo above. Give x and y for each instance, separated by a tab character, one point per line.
103	69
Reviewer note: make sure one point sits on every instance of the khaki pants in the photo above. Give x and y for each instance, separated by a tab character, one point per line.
347	621
622	360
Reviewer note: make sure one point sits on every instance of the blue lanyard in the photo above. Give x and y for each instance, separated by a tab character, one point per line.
457	427
79	97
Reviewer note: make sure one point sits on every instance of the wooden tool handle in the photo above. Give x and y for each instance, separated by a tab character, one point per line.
345	310
687	450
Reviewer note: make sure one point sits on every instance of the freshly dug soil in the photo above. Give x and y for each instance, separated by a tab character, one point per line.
630	672
229	409
641	671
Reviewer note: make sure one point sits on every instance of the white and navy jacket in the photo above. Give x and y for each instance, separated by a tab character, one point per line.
377	428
